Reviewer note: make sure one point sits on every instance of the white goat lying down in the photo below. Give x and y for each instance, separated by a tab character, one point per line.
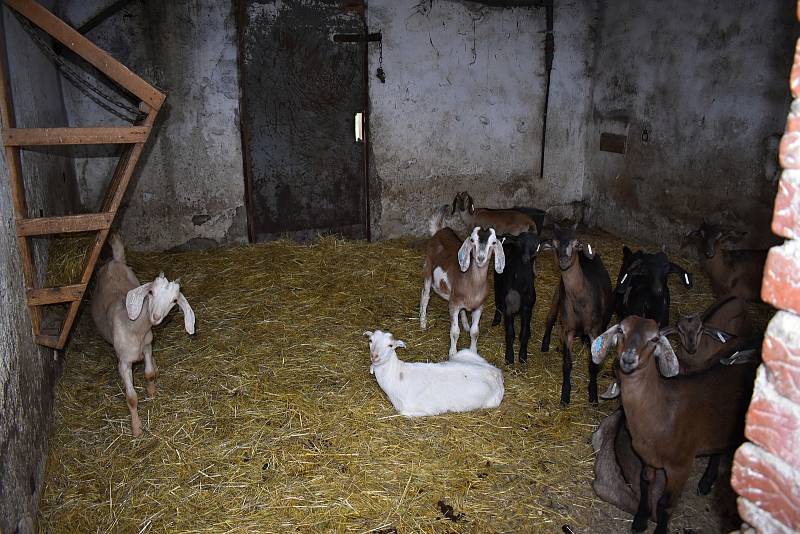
125	311
465	382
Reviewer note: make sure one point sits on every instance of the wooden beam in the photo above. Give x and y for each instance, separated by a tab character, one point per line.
74	136
68	224
47	340
55	295
79	44
102	15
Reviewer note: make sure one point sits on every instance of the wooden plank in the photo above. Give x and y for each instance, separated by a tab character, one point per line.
17	186
79	44
48	341
55	295
120	182
67	224
74	136
66	327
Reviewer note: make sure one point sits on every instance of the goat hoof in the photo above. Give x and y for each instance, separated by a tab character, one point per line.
498	318
639	525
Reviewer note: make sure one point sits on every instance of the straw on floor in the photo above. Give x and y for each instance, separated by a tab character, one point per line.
267	419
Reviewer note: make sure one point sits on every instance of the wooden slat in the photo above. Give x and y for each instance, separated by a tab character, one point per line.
64	225
120	182
17	185
55	295
48	341
74	136
79	44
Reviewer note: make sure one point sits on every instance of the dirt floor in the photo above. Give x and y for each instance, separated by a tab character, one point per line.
267	419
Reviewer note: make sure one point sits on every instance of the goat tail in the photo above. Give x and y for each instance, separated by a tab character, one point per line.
117	248
437	221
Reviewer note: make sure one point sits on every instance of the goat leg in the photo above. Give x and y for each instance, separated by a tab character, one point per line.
423	303
454	329
126	373
524	333
709	475
552	315
464	321
676	479
643	511
593	370
566	366
150	369
473	330
510	339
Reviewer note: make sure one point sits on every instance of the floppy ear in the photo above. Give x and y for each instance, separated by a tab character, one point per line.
604	342
586	248
546	245
686	277
399	344
470	204
499	257
464	254
667	361
134	300
188	314
368	333
455	200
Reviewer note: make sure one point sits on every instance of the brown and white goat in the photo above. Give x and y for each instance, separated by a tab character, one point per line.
504	221
582	301
731	272
672	421
457	271
125	312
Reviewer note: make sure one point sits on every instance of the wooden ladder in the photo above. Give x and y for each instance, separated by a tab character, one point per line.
134	137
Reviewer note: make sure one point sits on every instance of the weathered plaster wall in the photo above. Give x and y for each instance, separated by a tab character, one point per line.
27	372
460	110
696	88
189	190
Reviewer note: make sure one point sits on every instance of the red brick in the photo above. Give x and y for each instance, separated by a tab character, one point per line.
767	482
786	215
789	150
794	77
773	422
781	286
781	355
754	515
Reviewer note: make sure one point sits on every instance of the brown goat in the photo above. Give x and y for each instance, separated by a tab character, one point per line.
504	221
731	272
582	301
673	421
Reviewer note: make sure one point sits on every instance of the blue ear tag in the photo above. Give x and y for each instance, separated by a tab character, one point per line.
597	345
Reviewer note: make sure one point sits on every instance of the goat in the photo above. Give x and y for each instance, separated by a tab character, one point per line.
124	313
450	271
504	221
642	287
672	421
731	272
582	301
515	291
465	382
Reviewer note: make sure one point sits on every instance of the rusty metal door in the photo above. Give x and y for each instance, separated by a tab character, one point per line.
301	91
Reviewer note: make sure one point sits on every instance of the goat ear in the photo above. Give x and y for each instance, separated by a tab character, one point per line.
499	257
686	277
546	245
604	342
455	201
134	300
368	333
188	314
587	250
667	361
470	204
399	344
464	254
717	334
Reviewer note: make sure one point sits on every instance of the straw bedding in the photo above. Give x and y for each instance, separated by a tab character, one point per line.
268	420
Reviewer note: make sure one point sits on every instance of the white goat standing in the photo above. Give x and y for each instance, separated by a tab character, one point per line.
125	311
465	382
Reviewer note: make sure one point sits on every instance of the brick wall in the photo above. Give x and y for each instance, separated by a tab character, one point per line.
766	471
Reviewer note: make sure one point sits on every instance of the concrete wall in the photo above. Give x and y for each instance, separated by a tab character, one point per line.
461	108
27	372
189	190
697	88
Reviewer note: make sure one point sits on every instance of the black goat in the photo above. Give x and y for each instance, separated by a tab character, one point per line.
515	291
583	301
642	287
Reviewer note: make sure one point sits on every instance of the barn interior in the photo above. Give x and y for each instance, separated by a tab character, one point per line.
289	180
